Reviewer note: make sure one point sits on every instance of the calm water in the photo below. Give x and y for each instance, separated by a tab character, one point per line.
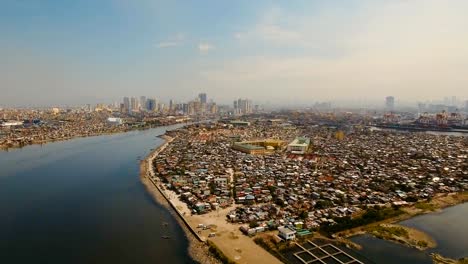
81	201
449	228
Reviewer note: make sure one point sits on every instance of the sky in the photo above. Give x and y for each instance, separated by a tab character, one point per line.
70	52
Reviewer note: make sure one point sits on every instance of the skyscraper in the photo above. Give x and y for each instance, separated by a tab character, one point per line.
151	104
171	105
142	102
242	106
134	104
126	104
389	103
202	97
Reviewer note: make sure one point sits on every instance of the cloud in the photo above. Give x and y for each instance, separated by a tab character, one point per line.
406	48
205	47
168	44
172	41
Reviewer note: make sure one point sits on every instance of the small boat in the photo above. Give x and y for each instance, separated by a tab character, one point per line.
165	237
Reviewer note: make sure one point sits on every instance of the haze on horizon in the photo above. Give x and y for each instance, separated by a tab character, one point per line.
78	52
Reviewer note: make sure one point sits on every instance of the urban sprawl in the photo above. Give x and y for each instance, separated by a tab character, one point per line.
300	176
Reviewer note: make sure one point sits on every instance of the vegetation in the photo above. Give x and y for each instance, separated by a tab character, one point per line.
273	248
219	254
422	244
425	206
438	259
389	231
372	215
253	224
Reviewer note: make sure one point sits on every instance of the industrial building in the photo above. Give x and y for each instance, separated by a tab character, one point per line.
299	145
259	147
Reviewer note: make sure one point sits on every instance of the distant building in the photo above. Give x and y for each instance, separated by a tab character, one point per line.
171	105
126	103
390	103
142	102
133	104
242	107
114	120
12	123
299	145
151	104
259	147
240	123
203	98
55	110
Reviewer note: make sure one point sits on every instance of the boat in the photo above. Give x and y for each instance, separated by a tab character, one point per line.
165	237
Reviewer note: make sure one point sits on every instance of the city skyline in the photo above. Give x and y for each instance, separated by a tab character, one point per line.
90	52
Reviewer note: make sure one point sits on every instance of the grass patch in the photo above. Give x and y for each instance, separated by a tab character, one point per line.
425	206
274	248
219	254
388	231
372	215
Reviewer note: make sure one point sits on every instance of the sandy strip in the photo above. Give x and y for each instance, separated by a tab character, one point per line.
198	251
229	239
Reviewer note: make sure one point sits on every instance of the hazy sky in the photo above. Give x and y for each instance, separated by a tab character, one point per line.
76	52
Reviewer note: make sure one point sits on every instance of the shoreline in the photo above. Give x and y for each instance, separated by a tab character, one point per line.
436	205
43	142
229	245
197	249
230	234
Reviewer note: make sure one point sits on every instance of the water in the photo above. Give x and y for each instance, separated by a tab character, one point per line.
81	201
449	228
385	252
437	133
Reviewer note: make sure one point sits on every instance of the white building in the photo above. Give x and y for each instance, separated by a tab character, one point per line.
286	233
299	145
12	123
114	120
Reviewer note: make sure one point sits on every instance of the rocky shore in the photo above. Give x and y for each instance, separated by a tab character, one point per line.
198	251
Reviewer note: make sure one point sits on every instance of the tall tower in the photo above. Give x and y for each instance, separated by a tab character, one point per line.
142	102
202	97
133	104
171	105
126	104
389	103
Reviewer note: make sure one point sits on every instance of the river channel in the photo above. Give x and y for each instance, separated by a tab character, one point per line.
81	201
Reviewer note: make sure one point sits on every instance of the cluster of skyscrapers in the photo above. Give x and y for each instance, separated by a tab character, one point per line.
242	107
198	106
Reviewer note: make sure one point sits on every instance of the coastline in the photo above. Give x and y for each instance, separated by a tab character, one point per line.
234	244
198	250
436	205
229	244
46	141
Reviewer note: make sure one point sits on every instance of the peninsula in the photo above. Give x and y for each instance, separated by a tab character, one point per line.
230	180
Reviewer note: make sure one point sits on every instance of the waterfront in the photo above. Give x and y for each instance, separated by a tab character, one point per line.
81	201
448	227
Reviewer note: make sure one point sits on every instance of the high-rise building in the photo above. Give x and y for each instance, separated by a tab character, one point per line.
171	105
242	107
213	108
389	103
151	104
126	104
202	97
142	102
133	104
454	101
